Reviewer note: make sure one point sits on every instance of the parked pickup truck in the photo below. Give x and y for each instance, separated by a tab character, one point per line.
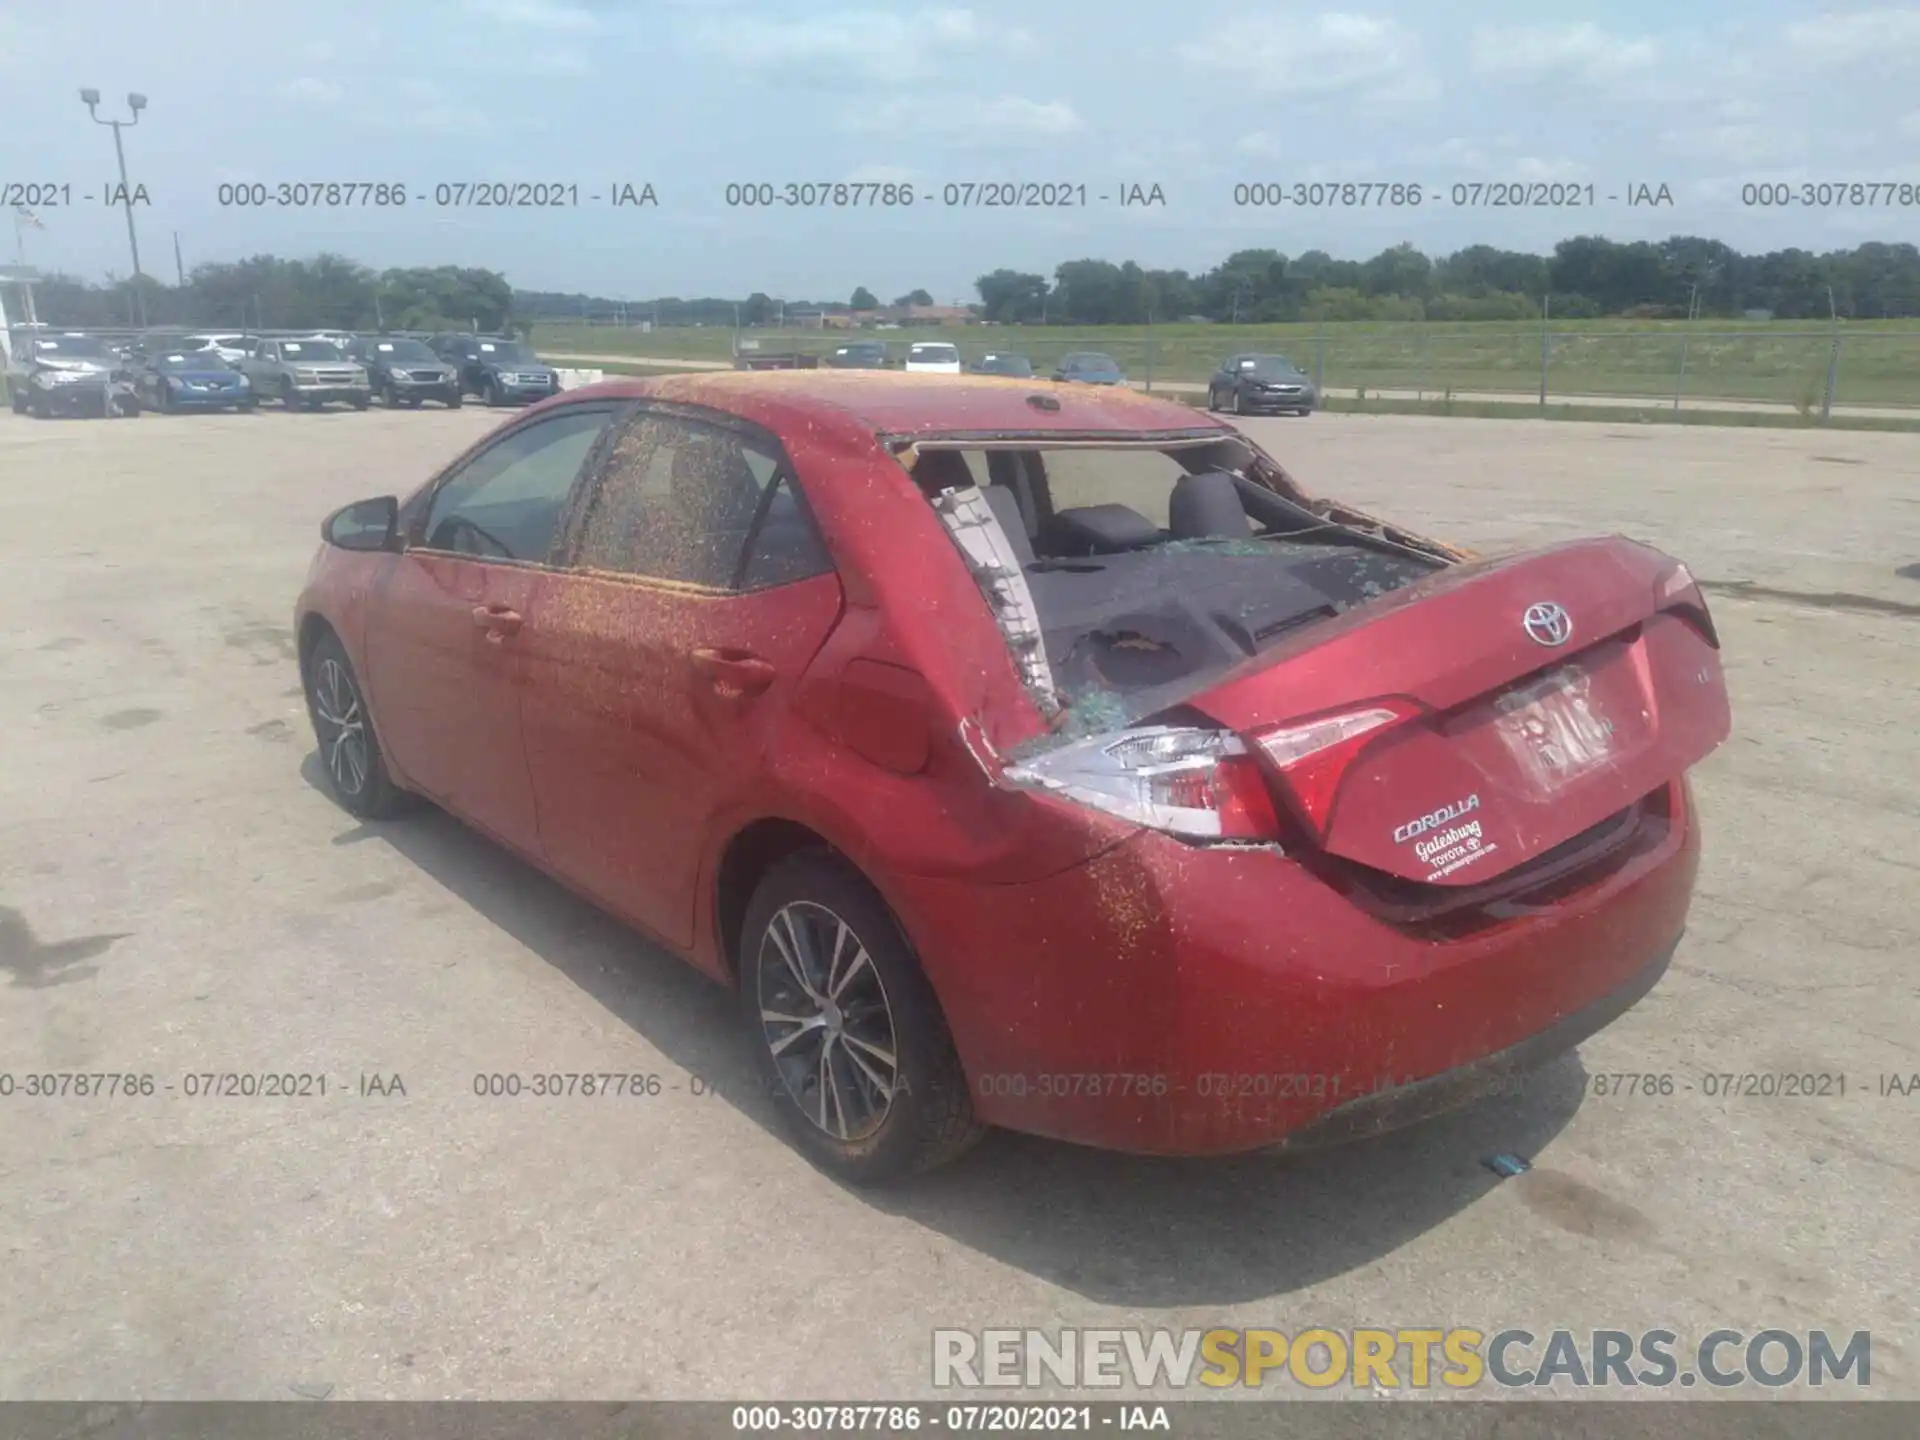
304	374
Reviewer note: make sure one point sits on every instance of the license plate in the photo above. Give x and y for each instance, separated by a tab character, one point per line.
1554	729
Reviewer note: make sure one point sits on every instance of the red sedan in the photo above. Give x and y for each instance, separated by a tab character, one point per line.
1033	755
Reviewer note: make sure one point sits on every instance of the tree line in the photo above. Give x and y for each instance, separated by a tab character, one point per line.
327	292
1585	277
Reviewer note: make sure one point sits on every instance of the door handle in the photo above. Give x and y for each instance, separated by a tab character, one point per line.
734	674
499	621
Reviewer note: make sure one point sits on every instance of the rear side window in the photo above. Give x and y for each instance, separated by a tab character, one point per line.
680	499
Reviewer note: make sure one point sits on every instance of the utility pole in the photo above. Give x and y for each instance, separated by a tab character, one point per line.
136	103
1686	337
1546	345
179	269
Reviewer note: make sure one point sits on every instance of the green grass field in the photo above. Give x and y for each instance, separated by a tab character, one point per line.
1784	363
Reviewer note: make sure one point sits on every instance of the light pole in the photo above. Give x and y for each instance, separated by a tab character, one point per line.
135	103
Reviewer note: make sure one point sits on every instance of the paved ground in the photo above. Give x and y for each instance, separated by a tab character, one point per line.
180	898
1501	397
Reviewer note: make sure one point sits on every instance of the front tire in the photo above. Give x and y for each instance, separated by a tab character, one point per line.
847	1034
361	402
454	400
1234	407
349	751
495	395
17	398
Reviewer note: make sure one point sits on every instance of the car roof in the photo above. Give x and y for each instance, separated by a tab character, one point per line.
891	403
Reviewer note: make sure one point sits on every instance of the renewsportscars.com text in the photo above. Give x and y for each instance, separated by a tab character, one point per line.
1396	1359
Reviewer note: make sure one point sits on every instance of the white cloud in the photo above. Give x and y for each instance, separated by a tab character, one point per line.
1531	167
538	14
1006	119
1740	144
555	62
1584	50
309	91
1864	35
1331	54
868	45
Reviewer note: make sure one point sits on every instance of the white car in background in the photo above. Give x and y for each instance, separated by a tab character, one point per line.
933	357
228	346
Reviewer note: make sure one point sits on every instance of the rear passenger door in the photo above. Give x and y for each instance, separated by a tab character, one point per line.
696	591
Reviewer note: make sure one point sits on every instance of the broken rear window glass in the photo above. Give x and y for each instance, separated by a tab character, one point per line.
1127	578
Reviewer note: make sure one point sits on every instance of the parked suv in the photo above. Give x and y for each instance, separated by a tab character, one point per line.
405	371
305	374
501	370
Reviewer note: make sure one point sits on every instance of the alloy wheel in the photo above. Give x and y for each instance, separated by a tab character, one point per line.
342	725
825	1018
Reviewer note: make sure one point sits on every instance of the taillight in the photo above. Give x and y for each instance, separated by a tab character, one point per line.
1185	781
1678	591
1313	756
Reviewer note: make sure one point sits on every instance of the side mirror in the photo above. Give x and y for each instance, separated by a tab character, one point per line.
364	525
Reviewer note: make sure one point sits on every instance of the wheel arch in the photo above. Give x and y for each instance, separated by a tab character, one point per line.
314	627
753	850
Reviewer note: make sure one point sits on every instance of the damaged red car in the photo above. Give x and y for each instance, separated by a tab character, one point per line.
1033	755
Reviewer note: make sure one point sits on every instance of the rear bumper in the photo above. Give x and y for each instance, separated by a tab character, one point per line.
1396	1106
1167	999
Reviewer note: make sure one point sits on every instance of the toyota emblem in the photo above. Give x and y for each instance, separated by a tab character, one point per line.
1547	624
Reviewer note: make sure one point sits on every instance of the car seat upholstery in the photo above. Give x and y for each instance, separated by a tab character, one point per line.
1207	506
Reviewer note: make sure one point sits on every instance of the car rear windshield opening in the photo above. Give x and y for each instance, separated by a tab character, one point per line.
1151	572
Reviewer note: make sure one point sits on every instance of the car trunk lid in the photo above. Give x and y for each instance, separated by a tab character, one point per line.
1448	732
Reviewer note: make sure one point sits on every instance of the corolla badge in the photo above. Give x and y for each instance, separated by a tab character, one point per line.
1547	624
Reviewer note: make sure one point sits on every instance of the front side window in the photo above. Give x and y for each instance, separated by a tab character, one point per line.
505	503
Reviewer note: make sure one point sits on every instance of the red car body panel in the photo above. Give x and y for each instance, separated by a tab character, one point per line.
1103	982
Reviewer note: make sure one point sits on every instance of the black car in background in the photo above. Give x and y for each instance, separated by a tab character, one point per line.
1089	367
1262	385
174	380
859	355
499	369
1018	366
405	371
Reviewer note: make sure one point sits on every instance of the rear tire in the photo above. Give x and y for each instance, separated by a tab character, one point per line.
343	727
865	1077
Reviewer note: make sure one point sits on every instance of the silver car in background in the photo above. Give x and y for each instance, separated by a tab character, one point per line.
305	374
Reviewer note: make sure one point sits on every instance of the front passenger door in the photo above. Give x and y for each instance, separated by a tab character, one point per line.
446	628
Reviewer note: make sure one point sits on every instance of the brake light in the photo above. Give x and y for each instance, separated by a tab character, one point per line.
1185	781
1677	590
1313	756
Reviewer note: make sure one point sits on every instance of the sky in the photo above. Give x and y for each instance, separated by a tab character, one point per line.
689	96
